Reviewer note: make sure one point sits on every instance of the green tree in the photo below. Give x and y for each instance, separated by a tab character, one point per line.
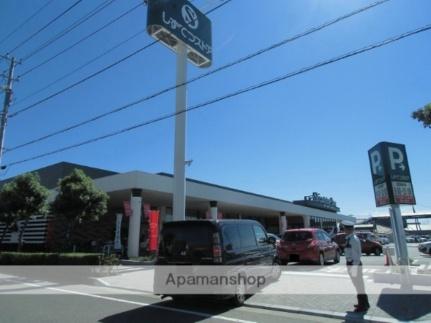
423	115
6	216
78	199
22	198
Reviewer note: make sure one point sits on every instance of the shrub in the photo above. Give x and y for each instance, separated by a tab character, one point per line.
46	259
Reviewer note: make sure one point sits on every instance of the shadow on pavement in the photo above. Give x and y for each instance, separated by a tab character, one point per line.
404	307
354	317
61	275
166	311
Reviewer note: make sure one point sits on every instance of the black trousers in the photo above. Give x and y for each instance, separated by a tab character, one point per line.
355	273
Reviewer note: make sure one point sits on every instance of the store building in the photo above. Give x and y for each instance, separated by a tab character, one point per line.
142	191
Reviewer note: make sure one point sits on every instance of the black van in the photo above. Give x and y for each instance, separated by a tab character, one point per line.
217	242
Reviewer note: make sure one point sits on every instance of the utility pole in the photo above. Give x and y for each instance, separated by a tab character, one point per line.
6	104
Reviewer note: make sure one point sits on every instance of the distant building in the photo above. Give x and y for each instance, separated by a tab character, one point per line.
413	223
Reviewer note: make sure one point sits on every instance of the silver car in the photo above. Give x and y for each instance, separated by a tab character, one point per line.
425	247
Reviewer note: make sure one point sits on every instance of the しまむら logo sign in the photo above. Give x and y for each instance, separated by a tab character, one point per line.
190	17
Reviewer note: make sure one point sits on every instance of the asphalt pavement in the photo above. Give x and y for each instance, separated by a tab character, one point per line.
325	295
121	308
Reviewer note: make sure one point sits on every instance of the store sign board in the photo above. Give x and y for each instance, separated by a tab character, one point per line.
174	21
391	174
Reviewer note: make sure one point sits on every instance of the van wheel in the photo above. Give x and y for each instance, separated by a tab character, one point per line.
276	270
239	298
367	253
337	257
377	252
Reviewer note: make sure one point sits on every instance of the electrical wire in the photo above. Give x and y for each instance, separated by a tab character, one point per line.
26	108
218	7
70	28
5	57
26	21
233	94
45	26
95	59
166	90
80	41
61	78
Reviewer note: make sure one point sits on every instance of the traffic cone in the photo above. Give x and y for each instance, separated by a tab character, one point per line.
386	260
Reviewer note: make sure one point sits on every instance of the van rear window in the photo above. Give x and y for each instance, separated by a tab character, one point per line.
297	236
192	241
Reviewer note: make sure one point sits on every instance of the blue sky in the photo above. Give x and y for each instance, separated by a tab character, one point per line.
306	134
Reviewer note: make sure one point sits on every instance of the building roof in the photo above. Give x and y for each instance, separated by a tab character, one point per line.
158	188
406	214
225	188
423	227
50	175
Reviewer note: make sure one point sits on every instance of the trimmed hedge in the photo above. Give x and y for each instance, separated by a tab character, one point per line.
44	259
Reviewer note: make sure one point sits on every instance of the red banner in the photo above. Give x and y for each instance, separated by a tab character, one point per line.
153	230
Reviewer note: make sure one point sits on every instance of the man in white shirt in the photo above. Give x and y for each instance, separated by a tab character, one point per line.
353	254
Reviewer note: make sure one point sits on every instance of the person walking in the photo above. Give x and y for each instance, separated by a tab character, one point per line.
353	253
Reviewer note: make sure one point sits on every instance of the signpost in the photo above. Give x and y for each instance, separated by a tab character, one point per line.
392	186
180	26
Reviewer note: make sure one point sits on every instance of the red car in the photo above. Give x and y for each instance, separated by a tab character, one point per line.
369	244
307	245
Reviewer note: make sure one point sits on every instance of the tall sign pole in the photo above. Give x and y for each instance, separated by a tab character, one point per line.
180	26
393	186
179	193
6	104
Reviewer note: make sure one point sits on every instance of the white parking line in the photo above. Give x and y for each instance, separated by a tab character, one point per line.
318	274
103	282
335	269
120	300
315	274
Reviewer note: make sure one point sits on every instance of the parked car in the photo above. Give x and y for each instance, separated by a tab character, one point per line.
307	245
273	238
423	239
419	239
217	242
410	239
368	245
425	247
383	240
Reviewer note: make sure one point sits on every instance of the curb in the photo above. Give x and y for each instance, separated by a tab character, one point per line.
125	262
322	313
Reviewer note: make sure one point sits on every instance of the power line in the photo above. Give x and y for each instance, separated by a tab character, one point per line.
46	26
5	57
82	80
81	66
25	21
218	7
166	90
96	58
67	30
19	111
233	94
81	40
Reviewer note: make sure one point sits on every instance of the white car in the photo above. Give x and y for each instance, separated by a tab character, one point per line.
410	239
383	240
425	247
